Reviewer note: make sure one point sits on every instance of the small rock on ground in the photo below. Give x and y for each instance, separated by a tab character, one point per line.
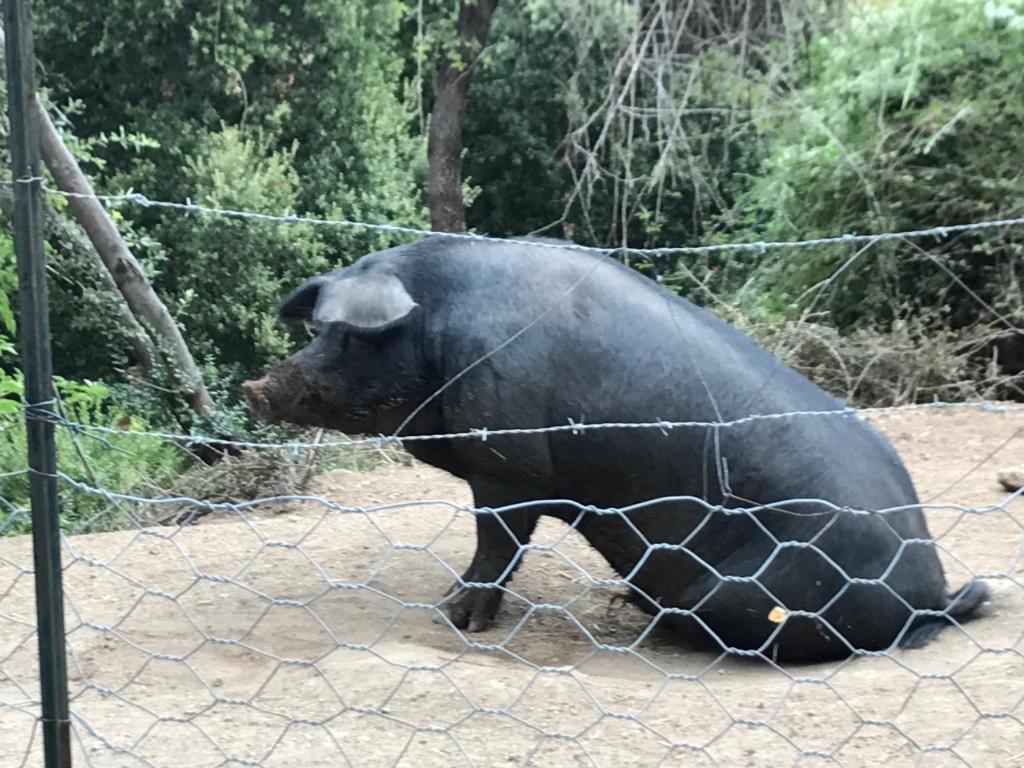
1011	479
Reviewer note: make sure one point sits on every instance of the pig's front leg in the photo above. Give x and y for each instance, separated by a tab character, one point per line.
500	537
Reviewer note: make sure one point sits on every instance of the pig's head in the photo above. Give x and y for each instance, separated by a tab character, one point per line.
363	371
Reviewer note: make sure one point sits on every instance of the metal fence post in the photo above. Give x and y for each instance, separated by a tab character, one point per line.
34	340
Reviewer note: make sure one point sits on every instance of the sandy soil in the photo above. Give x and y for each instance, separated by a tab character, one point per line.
244	640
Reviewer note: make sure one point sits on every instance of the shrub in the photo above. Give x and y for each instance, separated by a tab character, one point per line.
95	460
907	120
223	278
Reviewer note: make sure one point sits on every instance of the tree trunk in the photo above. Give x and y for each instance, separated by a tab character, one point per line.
141	343
118	259
444	145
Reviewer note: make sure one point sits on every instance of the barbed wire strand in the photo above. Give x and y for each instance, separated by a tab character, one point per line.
571	427
189	207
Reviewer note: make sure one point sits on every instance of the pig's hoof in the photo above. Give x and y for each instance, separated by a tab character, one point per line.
471	608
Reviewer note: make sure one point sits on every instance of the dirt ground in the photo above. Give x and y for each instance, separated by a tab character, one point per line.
264	638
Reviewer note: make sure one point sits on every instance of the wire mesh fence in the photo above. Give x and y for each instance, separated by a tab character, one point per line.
310	629
319	600
293	603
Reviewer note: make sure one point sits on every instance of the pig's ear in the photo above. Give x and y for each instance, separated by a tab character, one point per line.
299	306
367	302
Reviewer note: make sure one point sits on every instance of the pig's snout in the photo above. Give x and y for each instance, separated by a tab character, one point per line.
253	390
291	393
277	395
256	394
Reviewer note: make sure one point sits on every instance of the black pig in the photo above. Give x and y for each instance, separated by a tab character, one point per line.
798	536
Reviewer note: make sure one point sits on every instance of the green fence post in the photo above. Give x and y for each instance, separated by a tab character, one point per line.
34	340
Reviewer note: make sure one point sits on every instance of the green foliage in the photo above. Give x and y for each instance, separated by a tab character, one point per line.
8	288
270	107
580	127
909	119
224	277
324	75
115	463
518	117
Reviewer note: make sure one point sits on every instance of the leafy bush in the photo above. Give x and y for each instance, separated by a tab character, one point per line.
111	462
591	118
269	107
223	278
8	288
907	120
